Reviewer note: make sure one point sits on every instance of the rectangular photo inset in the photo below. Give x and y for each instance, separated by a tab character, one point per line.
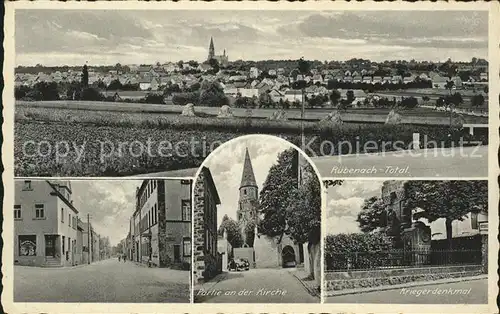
406	242
122	92
102	241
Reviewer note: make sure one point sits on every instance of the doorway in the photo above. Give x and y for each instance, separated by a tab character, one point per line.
288	256
50	245
177	253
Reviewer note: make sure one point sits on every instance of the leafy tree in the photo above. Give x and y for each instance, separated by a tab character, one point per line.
193	63
292	209
47	90
21	91
477	100
265	100
372	214
335	97
85	76
277	192
154	99
212	95
450	200
91	94
234	236
350	96
214	64
180	64
449	85
115	85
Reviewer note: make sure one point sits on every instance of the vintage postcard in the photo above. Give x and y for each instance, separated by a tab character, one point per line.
305	157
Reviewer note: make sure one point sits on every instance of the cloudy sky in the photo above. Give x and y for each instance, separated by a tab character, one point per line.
226	166
344	203
110	204
72	37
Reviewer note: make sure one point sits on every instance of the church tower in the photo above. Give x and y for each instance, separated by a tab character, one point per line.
211	50
249	197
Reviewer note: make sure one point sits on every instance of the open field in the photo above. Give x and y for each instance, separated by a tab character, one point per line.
67	142
418	116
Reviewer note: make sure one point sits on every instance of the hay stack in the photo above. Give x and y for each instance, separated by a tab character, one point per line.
225	112
393	118
188	111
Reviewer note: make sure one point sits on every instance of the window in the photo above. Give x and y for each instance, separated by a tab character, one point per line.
63	243
69	220
62	214
244	192
156	212
186	210
27	245
17	212
39	211
27	186
186	247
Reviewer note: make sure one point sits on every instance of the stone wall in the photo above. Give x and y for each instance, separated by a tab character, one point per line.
199	232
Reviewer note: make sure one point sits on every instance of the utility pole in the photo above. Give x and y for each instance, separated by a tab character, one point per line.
88	238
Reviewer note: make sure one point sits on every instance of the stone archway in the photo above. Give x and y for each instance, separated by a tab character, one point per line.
288	257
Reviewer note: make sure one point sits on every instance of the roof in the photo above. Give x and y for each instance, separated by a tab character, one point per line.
293	92
248	177
54	186
210	179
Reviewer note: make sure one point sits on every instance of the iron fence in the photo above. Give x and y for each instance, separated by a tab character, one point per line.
400	258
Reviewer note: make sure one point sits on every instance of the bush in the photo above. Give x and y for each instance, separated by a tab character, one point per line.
21	91
91	94
154	99
357	250
182	99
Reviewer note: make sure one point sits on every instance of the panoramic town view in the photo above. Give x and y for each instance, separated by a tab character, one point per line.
402	241
257	218
98	241
405	93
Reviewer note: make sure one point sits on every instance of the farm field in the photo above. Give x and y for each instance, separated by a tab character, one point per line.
67	142
420	116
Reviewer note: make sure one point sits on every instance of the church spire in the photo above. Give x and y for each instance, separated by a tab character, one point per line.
247	178
211	49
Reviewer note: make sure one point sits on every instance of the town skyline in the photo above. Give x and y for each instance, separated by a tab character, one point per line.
146	37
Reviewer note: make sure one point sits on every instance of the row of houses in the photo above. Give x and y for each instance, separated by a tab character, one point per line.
160	228
154	77
48	230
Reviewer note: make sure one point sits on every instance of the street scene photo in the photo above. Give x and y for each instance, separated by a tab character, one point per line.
257	224
105	241
113	93
406	242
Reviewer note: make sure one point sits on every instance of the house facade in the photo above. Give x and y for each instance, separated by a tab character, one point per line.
45	224
161	223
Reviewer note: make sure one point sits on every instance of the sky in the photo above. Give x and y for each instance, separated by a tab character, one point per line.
226	166
110	204
344	203
73	37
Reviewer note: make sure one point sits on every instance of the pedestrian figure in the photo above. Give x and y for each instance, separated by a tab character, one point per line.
119	258
124	258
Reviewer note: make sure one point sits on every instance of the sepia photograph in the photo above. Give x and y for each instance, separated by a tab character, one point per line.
406	242
102	241
111	93
257	225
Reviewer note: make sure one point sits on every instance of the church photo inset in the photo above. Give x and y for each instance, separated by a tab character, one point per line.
257	224
406	242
